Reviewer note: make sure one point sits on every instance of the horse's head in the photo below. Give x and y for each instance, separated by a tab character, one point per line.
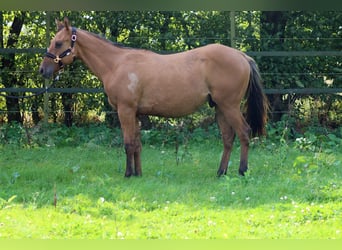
60	51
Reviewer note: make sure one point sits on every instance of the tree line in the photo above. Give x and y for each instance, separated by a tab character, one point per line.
169	32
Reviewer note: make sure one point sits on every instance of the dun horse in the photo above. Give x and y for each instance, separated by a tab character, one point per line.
143	82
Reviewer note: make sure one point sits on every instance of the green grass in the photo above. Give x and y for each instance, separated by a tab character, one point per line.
288	193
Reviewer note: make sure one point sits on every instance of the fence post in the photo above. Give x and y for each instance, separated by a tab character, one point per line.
232	29
46	81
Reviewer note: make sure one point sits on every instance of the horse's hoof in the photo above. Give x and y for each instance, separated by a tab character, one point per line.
127	175
221	172
242	172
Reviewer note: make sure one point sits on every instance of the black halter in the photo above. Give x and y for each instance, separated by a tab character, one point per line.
58	59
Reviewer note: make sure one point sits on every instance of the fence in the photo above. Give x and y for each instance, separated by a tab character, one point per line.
251	53
296	91
233	40
305	91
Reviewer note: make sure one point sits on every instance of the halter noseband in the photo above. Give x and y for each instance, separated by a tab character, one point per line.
58	59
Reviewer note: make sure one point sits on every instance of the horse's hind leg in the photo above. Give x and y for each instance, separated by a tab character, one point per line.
228	136
242	130
238	123
137	151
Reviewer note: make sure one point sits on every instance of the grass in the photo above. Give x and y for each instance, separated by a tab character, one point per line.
76	192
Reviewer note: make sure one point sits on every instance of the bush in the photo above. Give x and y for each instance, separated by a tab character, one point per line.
167	134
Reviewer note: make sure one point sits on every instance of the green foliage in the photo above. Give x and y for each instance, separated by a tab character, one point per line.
172	31
52	135
5	204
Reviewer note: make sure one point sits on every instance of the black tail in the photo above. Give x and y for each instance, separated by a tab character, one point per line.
257	103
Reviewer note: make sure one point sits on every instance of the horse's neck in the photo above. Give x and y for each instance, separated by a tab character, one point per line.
99	55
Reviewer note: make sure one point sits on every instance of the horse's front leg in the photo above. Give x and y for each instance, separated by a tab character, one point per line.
129	149
133	157
128	121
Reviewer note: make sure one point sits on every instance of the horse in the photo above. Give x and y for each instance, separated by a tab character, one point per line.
142	82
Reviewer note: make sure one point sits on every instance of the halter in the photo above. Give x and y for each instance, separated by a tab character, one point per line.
58	59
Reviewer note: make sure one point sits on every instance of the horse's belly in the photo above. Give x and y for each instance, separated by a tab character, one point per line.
173	105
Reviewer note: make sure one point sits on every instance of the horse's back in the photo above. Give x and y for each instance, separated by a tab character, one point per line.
177	84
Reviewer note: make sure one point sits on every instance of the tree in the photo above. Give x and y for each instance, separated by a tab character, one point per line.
298	31
272	33
8	65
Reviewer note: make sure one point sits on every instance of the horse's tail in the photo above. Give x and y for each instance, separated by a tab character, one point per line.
257	103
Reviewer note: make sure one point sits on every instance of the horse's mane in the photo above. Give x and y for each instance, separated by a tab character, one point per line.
119	45
102	38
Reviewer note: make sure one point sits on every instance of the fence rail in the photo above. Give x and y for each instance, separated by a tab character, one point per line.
250	53
305	91
21	91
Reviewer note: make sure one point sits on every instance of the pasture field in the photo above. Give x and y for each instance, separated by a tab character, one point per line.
293	190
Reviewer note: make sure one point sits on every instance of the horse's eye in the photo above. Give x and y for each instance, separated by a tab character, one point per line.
58	45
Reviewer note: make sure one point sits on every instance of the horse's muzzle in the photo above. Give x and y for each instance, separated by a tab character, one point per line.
46	72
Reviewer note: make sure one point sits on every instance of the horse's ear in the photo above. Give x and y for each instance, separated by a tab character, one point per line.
59	25
66	23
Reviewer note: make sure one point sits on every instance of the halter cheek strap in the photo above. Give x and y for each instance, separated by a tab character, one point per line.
58	58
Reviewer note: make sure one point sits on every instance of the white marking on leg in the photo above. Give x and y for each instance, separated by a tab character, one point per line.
133	82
